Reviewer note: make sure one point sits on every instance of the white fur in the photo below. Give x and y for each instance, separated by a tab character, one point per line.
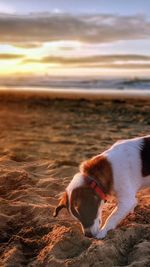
77	181
124	157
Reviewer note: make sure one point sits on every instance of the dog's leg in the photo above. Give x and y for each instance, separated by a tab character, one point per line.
125	205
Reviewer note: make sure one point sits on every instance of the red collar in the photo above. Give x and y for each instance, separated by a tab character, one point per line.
96	187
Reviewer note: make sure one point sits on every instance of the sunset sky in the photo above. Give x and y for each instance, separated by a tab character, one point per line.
74	37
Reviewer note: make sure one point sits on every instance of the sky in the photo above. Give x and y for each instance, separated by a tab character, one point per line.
74	37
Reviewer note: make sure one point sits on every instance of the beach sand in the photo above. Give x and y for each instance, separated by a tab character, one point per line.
42	142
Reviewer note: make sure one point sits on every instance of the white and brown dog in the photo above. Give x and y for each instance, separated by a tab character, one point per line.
122	169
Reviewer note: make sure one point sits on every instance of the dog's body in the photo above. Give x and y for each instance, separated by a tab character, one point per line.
122	169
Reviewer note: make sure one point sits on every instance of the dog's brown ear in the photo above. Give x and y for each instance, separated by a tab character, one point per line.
62	204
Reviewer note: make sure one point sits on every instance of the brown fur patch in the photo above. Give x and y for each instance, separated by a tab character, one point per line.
84	205
145	156
99	169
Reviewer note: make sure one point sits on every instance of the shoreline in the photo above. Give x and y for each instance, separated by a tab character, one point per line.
95	94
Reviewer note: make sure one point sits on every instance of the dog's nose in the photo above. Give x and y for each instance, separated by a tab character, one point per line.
88	234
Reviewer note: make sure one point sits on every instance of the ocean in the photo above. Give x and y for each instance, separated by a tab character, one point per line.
88	83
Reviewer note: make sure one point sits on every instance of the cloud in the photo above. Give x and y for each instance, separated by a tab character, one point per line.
98	59
10	56
86	28
132	66
29	45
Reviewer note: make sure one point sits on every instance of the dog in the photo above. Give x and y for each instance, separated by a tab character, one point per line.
122	170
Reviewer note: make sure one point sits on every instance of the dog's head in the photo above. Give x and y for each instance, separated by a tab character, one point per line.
83	204
83	201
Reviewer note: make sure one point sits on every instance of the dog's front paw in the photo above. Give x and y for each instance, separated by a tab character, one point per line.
101	234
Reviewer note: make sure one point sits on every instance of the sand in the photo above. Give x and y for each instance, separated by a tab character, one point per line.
42	143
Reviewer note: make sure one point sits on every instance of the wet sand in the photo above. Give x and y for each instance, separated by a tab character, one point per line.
42	142
77	93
